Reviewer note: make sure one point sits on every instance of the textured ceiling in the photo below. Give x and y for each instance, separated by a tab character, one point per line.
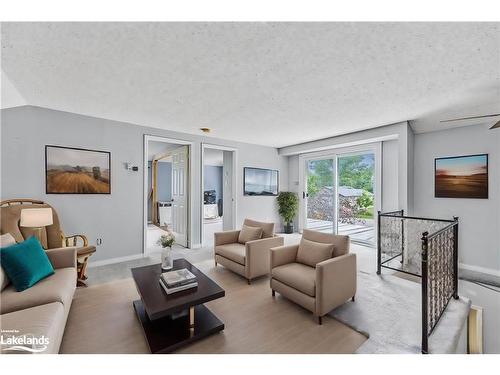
267	83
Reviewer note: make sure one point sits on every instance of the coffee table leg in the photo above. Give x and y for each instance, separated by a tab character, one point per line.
191	317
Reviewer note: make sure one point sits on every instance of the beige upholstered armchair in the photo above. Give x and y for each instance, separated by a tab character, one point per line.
319	273
246	251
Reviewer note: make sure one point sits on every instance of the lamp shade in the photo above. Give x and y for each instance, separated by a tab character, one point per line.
36	217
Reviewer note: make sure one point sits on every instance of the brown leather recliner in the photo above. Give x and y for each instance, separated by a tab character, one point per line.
52	236
319	273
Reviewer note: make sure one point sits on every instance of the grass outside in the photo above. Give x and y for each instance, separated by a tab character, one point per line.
366	213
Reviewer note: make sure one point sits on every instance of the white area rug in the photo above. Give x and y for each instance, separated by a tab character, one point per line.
388	311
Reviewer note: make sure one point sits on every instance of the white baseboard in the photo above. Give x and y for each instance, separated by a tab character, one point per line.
105	262
115	260
487	271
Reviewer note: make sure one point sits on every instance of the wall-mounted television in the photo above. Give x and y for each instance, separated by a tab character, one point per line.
259	181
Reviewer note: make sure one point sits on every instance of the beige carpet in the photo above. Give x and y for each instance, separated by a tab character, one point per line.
102	320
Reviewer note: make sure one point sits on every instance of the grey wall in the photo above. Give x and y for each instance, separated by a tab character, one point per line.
212	179
479	234
116	218
164	181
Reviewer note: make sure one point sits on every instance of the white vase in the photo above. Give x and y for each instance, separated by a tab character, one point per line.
166	259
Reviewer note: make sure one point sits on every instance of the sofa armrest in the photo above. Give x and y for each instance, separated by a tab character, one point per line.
62	257
257	255
283	255
224	238
335	282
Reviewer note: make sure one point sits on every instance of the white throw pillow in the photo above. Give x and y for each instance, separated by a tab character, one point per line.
5	240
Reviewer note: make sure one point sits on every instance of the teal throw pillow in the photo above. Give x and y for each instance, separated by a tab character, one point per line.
25	263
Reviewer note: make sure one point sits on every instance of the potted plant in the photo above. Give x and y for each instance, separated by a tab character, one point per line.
166	241
288	205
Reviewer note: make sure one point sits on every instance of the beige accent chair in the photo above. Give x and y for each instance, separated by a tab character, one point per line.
319	289
250	259
43	309
52	236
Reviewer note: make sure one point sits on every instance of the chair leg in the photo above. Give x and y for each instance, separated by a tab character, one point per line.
274	293
352	299
320	320
249	281
81	272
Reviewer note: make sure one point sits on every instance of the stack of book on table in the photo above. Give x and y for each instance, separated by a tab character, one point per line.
175	281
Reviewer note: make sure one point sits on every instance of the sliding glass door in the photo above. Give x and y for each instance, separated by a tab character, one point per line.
320	195
356	177
339	193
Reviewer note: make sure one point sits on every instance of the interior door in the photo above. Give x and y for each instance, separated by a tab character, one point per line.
180	189
228	188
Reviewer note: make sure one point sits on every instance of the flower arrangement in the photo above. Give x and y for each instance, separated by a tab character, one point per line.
166	240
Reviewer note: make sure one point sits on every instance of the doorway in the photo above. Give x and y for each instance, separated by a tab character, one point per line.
166	191
341	192
218	189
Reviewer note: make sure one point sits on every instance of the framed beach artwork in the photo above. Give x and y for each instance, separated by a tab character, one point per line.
71	170
461	177
260	181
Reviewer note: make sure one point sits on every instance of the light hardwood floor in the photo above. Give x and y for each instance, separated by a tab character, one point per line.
102	320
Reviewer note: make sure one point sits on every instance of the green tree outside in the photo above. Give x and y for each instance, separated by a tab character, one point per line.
353	172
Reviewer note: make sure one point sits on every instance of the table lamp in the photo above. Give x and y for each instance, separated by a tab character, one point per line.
36	218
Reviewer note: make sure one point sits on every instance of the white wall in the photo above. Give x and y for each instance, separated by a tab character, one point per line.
479	231
390	175
10	96
390	163
397	149
116	218
408	182
400	132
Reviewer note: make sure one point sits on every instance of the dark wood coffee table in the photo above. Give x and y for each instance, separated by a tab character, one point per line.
159	312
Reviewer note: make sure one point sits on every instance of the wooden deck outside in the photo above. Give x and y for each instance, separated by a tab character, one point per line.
358	233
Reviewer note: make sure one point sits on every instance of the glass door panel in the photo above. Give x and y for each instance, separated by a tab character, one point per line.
356	176
320	195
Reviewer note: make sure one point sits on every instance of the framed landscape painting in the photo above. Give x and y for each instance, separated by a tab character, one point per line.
461	177
77	171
